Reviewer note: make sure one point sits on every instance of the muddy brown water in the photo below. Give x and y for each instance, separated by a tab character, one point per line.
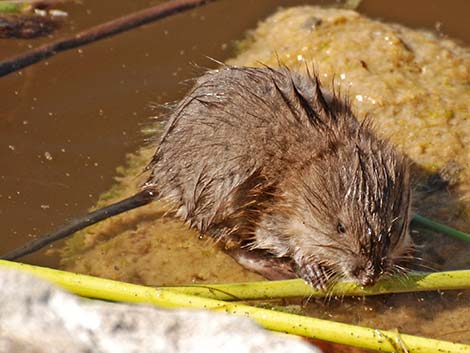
68	122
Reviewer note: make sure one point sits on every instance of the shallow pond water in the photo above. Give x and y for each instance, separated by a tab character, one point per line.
67	123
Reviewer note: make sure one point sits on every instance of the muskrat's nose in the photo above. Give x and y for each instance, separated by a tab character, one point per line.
363	276
366	281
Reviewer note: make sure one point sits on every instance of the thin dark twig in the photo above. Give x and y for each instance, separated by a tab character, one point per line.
100	31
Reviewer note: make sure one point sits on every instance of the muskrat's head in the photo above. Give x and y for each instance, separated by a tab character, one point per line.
352	218
345	212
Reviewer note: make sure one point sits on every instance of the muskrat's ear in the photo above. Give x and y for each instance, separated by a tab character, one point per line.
320	93
336	105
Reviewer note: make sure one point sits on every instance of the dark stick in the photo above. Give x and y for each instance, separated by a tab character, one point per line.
140	199
100	31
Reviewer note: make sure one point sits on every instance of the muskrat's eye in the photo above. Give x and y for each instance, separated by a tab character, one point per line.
340	228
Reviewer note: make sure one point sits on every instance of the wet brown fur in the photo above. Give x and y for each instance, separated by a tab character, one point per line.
265	158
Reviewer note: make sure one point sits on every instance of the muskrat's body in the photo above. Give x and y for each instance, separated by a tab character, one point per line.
262	159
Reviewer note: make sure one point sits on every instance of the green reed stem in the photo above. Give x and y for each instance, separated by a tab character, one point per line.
438	227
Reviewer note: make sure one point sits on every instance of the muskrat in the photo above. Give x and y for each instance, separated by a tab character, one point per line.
268	163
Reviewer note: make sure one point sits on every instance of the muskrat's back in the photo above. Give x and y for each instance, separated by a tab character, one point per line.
234	113
232	127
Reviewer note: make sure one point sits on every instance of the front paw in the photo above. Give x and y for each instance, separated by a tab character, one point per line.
315	276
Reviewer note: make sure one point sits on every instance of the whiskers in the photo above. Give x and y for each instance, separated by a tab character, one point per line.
402	266
421	263
331	293
410	260
322	279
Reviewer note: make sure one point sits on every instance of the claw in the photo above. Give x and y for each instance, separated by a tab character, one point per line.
314	275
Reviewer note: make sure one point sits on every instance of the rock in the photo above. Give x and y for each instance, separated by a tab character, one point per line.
36	317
